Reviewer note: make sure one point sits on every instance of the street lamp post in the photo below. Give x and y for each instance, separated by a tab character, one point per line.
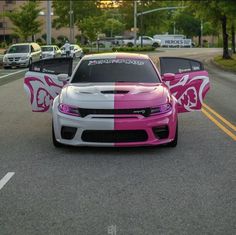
147	12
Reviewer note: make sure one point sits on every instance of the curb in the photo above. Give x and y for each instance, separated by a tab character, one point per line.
221	67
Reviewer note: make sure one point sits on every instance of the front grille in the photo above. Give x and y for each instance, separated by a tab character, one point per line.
115	92
85	112
11	59
114	136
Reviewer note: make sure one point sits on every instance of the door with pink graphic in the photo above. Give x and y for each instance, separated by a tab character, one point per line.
41	83
189	83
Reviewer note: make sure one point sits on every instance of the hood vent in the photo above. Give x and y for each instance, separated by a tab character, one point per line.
115	92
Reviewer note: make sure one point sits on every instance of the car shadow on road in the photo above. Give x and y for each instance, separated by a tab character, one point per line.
114	151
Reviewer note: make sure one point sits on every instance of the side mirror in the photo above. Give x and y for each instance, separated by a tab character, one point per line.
168	77
63	77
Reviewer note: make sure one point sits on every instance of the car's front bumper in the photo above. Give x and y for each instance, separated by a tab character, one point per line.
19	63
47	56
105	124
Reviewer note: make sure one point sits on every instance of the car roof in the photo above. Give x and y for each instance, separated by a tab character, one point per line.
49	46
116	55
22	44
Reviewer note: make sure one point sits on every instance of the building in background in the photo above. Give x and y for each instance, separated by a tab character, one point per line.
6	25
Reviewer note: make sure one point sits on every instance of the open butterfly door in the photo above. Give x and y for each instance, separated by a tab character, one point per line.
191	82
41	83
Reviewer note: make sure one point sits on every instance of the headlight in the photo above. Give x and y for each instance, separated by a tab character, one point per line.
164	108
69	110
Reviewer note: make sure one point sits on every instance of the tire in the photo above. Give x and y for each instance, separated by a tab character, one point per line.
174	143
130	44
54	141
30	62
155	45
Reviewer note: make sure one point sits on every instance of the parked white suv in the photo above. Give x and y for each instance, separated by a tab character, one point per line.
21	55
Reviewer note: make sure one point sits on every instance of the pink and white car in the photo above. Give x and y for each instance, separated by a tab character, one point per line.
116	99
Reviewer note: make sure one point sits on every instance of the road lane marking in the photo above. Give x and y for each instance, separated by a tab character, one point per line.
13	73
222	127
233	127
5	179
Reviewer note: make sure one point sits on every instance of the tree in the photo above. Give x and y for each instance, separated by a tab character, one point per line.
187	24
92	26
81	10
214	11
113	27
25	20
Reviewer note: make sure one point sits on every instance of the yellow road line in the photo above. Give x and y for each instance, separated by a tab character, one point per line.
223	128
233	127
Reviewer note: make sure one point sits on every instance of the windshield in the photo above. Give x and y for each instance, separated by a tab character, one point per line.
116	70
47	48
19	49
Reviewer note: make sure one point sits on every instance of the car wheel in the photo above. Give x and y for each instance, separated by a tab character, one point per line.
130	44
174	142
155	45
30	62
55	142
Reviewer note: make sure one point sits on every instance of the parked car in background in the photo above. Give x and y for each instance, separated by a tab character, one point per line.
21	55
75	51
144	40
50	51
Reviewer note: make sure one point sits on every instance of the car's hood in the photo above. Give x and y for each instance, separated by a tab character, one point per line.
8	55
126	95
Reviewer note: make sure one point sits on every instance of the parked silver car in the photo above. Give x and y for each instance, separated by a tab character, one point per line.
21	55
75	51
50	51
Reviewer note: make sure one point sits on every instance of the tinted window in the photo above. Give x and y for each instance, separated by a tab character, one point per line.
196	66
179	65
19	49
47	48
53	66
116	70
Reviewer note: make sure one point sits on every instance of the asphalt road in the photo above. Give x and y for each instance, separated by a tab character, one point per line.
148	191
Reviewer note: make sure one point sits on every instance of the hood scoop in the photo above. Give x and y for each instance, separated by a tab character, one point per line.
115	92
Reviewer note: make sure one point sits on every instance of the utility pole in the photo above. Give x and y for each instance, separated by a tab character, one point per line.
4	24
201	33
141	30
135	22
71	23
49	23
